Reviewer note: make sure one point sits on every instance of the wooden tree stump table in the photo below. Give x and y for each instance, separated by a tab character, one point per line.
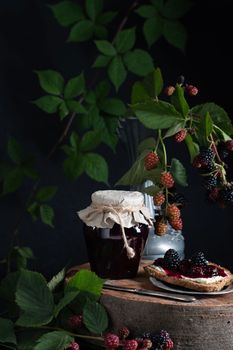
206	323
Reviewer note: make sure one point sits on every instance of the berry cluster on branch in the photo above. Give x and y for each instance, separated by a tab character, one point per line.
206	131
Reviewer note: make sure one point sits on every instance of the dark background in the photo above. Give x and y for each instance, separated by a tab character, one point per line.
31	39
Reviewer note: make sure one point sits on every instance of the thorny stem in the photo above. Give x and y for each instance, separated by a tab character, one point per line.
73	334
57	144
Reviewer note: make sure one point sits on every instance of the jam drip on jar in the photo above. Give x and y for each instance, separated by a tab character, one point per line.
186	269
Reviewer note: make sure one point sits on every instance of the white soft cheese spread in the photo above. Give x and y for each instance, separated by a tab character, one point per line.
205	280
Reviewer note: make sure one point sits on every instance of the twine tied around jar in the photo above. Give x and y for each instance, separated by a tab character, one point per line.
118	211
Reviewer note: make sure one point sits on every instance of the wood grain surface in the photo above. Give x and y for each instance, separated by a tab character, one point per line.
204	324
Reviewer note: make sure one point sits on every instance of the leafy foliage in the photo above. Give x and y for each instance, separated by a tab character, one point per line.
163	19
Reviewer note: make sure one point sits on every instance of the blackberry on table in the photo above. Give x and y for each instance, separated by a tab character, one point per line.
162	341
199	259
171	259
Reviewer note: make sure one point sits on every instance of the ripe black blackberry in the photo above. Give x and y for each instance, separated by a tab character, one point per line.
206	156
210	182
162	341
226	195
198	259
171	259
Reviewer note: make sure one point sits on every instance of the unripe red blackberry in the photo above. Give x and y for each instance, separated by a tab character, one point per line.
177	224
75	321
173	212
123	332
74	346
191	90
151	161
229	145
160	228
131	344
180	136
166	179
169	90
159	198
147	343
111	341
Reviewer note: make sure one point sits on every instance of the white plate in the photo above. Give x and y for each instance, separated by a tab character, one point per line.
178	289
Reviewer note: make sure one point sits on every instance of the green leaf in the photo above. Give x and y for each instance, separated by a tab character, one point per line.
139	62
221	133
151	190
107	17
74	87
174	129
47	214
117	72
7	333
21	255
90	140
138	93
75	106
66	300
192	147
137	174
175	33
63	110
73	166
102	89
101	61
82	31
34	299
96	167
109	130
28	169
146	11
147	144
13	181
175	9
14	151
153	29
179	102
46	193
33	209
113	106
153	83
218	115
5	169
105	47
95	317
8	286
74	141
178	171
56	280
125	40
207	125
48	103
57	340
100	32
67	12
86	281
51	81
156	115
94	8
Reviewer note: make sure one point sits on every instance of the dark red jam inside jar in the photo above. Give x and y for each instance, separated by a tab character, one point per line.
107	255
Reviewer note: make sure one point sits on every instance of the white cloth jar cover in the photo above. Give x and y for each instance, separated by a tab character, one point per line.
126	208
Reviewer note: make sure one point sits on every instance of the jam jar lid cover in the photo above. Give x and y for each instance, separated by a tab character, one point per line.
112	206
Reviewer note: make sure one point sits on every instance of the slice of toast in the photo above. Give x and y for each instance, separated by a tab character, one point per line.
191	284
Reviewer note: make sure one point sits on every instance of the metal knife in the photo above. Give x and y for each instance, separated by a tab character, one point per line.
152	293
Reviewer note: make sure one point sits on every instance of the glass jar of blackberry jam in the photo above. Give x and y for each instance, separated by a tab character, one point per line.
116	226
